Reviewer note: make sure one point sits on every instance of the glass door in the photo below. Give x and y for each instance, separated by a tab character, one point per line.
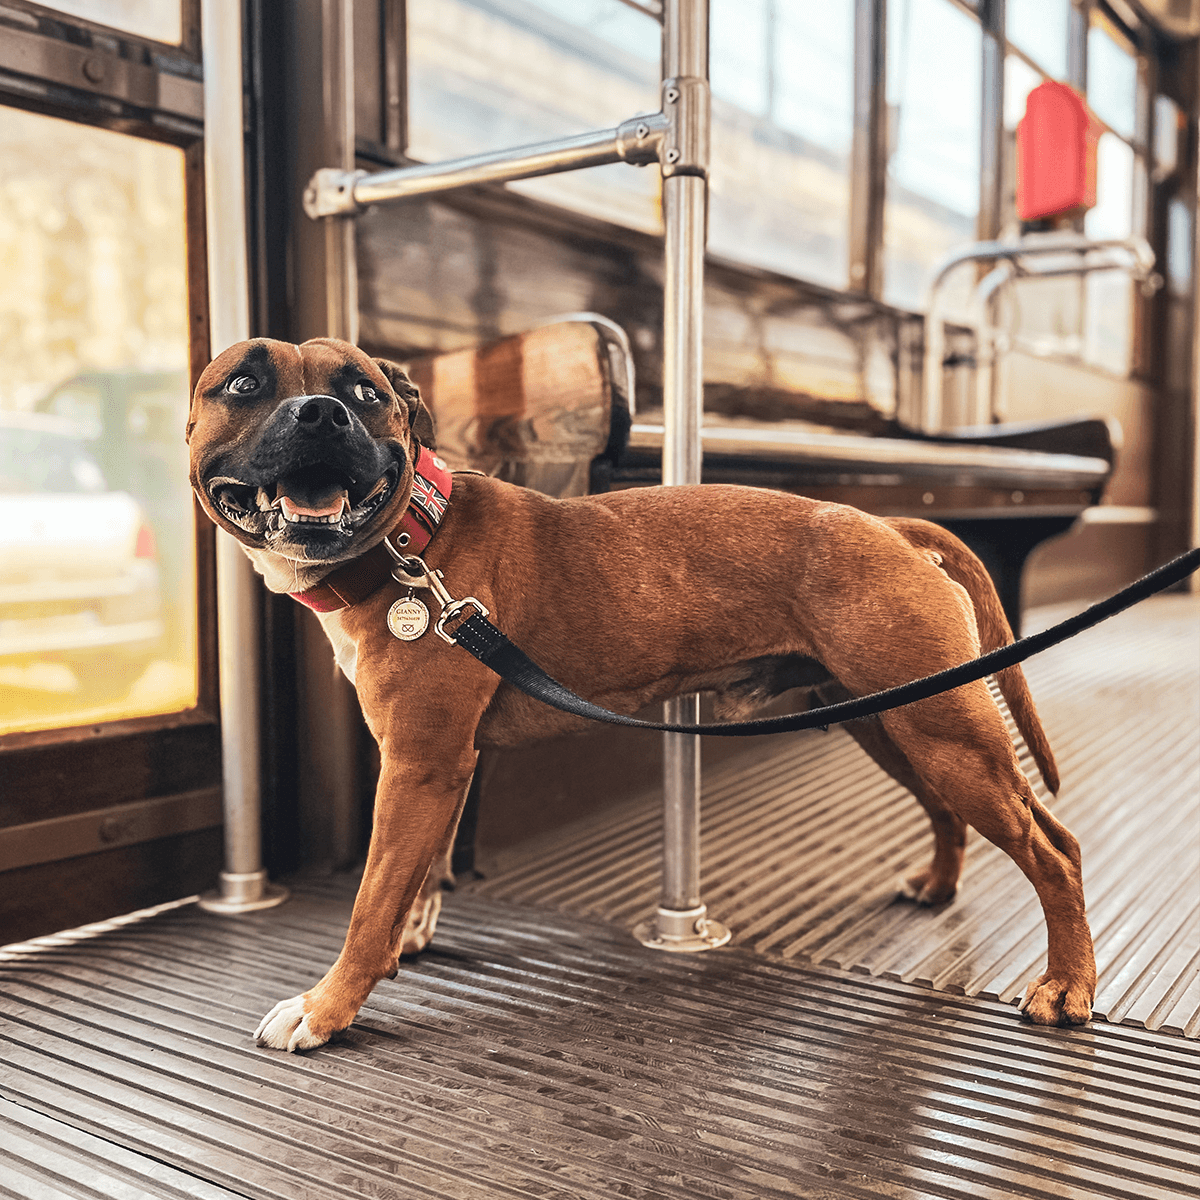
109	746
97	569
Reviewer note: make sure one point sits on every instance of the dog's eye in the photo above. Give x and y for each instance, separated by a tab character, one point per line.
239	385
366	393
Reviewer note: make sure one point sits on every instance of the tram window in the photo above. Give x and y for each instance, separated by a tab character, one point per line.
97	575
1113	215
1019	80
489	74
492	74
1112	77
1108	331
1089	318
933	81
1039	28
740	54
783	119
1169	124
158	20
1179	249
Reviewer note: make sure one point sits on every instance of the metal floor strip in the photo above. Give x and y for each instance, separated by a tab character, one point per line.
531	1053
804	840
55	1160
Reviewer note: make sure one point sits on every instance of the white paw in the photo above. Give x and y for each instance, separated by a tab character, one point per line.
285	1027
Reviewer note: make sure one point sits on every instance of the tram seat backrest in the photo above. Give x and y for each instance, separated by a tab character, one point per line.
537	408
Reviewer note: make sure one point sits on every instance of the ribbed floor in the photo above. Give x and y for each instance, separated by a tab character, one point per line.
536	1054
804	840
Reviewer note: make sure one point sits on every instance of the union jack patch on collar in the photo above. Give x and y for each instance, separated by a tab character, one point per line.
432	482
430	502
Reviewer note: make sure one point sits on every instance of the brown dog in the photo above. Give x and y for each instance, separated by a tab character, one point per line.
307	455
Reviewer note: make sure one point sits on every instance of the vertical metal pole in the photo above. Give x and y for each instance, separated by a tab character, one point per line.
987	225
243	883
329	810
869	148
337	73
682	923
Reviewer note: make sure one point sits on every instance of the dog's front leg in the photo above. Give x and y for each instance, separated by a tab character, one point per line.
416	807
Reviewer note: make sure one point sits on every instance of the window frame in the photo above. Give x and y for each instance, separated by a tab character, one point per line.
76	773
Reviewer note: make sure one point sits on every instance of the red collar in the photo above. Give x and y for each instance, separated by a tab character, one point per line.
356	580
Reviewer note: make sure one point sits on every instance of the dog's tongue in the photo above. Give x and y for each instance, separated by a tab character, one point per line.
330	506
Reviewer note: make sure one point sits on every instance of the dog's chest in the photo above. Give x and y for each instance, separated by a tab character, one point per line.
345	650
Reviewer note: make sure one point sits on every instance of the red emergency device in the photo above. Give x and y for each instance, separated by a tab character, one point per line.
1056	154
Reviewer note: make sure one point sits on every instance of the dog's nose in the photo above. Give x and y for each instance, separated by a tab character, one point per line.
317	413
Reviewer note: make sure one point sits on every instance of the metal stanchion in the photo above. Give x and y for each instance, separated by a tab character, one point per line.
243	885
681	922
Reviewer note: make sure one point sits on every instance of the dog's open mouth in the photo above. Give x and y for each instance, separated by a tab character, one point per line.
310	501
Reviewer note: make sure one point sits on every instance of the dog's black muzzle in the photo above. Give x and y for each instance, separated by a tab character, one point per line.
313	477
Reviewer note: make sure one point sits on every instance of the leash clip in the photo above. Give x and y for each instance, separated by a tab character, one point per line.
411	571
453	610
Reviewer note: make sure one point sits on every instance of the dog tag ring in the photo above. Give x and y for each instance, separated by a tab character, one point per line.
408	619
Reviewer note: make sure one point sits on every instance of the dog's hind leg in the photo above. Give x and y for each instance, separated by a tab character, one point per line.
912	624
959	746
423	916
938	882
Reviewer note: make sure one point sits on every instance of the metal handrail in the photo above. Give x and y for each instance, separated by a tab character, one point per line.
336	193
1132	254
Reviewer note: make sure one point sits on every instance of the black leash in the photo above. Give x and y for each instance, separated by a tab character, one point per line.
478	635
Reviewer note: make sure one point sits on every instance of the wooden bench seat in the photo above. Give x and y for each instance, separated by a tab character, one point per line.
555	409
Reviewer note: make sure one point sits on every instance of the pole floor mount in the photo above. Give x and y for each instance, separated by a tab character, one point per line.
243	893
682	931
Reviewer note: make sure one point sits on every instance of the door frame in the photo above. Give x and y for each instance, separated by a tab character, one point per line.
105	818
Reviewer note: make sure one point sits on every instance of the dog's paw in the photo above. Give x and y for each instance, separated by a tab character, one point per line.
286	1027
925	889
1051	1001
422	921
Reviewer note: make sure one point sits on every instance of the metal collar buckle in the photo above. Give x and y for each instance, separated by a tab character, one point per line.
411	571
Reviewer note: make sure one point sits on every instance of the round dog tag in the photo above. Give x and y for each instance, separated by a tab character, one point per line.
408	619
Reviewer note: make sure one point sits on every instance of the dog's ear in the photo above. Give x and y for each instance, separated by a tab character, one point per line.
420	419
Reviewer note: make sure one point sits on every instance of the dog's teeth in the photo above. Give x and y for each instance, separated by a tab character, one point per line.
304	519
375	491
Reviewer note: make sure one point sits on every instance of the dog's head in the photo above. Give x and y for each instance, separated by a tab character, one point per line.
305	451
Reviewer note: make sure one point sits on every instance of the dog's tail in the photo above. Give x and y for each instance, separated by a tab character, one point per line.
961	564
